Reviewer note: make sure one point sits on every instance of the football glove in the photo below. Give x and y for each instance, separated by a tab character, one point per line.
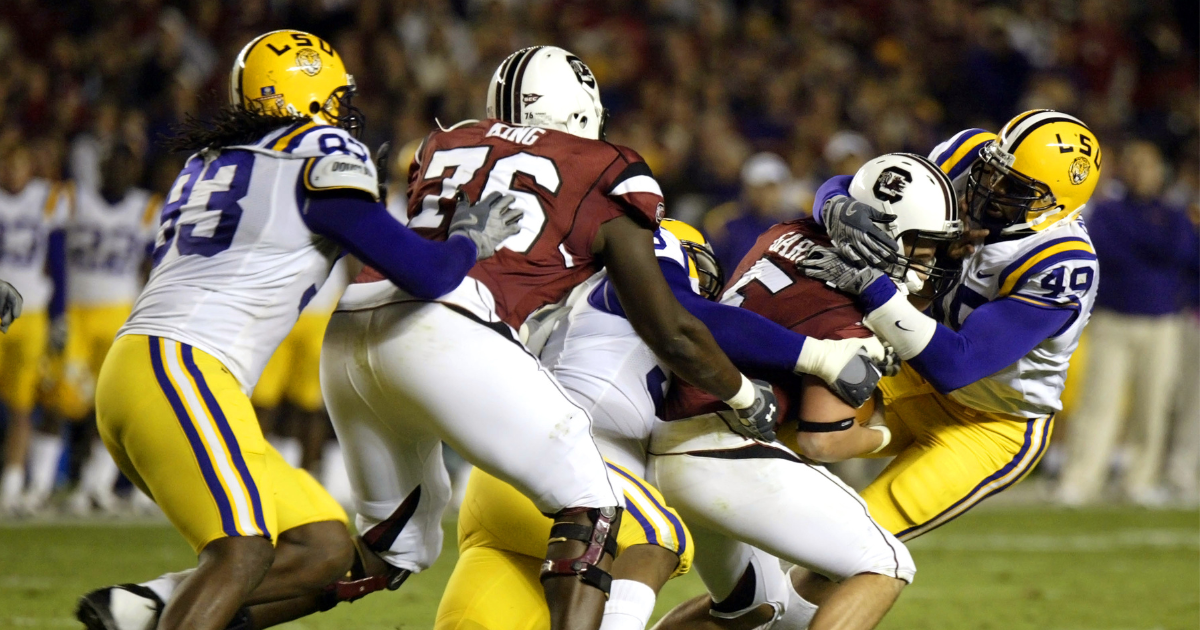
382	172
486	223
824	264
756	421
852	226
851	367
10	305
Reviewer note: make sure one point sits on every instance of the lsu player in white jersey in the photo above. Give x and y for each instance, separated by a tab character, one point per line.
972	409
277	188
32	214
108	231
599	359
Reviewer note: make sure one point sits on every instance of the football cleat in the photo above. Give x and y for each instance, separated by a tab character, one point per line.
121	607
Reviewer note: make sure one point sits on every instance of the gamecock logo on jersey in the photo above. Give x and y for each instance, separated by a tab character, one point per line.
308	61
891	184
582	72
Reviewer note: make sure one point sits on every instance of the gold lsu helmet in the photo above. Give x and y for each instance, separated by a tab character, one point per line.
1041	170
702	262
293	73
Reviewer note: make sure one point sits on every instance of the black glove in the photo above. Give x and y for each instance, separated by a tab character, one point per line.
10	305
831	267
487	223
757	421
852	226
382	172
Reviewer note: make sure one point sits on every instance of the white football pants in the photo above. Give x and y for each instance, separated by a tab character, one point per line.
401	378
751	503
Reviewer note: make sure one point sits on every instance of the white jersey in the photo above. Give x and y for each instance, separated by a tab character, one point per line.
1055	268
234	260
608	370
106	244
26	220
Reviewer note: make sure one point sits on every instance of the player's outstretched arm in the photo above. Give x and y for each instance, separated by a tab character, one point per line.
995	336
426	269
752	341
680	340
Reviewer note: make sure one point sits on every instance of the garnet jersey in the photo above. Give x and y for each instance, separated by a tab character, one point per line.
768	283
567	186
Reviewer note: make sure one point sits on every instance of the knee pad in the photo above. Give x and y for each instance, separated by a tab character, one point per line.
600	537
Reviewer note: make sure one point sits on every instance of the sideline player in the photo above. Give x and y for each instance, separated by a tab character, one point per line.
32	212
108	234
401	374
808	517
973	407
275	190
596	356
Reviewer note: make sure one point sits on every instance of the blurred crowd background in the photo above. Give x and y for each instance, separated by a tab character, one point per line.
741	108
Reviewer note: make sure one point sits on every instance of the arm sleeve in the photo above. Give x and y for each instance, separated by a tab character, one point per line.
425	269
995	336
750	340
835	186
56	265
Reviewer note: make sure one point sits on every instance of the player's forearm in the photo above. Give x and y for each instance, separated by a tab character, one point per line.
832	187
750	340
687	347
426	269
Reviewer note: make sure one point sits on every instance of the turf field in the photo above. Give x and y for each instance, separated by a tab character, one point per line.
1010	568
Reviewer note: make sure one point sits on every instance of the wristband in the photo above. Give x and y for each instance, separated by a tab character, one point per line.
887	436
744	396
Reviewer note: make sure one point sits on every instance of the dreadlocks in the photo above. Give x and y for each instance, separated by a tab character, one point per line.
231	125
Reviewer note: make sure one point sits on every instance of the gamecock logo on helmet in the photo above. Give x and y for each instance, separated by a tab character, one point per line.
308	61
891	184
582	72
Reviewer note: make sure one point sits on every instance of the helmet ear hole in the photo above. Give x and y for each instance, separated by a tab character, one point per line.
313	107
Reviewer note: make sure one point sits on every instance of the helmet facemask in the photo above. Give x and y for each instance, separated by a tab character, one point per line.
340	109
924	278
708	269
998	196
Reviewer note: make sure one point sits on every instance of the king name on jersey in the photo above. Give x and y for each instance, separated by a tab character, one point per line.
519	135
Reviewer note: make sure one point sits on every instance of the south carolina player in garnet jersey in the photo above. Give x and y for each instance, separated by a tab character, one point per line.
401	374
810	518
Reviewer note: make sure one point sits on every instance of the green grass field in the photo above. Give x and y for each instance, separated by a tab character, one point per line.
1006	568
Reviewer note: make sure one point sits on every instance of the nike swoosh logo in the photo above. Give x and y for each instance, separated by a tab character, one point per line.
981	276
901	327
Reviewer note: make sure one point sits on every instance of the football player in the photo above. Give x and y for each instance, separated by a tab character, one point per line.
807	517
973	407
402	373
32	258
276	189
594	352
108	232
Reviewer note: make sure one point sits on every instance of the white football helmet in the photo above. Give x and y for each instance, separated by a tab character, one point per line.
922	199
546	86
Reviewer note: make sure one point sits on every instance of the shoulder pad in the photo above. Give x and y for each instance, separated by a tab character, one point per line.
341	171
667	246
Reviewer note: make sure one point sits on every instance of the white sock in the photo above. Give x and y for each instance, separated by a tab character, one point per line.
630	604
333	473
289	447
100	472
164	585
799	612
44	452
12	482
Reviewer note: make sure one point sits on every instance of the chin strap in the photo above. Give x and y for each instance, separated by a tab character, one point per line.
601	538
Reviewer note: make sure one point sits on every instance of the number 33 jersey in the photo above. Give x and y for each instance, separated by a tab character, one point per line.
567	187
234	262
1052	269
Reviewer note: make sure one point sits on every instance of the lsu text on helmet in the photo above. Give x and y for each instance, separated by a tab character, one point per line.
1040	171
702	261
922	200
293	73
546	86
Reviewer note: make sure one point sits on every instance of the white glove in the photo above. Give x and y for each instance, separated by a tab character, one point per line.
851	367
486	223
